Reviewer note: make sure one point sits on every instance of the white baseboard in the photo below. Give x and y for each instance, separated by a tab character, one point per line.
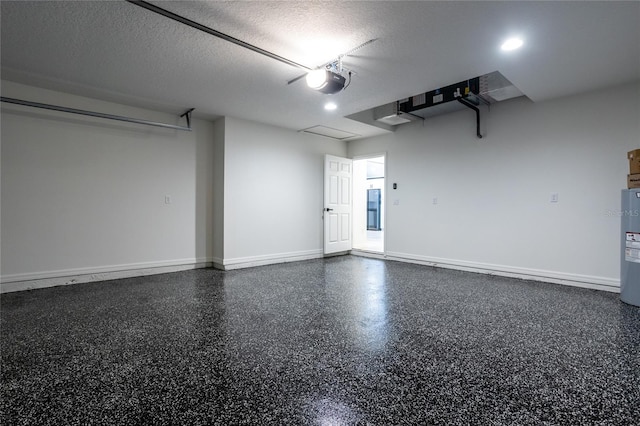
251	261
217	262
365	253
31	281
576	280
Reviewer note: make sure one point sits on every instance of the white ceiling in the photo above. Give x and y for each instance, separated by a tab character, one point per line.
117	51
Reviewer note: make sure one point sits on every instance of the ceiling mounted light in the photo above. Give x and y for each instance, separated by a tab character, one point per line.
316	79
325	81
330	106
512	44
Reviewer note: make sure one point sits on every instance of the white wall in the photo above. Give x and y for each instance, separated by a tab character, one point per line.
83	195
493	212
218	191
273	193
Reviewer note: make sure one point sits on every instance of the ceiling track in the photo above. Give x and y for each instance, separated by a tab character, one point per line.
187	114
336	61
215	33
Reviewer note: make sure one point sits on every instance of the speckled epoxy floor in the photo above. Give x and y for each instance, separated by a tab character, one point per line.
340	341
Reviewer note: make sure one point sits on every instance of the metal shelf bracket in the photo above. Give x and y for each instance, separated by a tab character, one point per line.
187	114
468	104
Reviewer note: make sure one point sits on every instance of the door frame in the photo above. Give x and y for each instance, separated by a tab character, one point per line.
384	204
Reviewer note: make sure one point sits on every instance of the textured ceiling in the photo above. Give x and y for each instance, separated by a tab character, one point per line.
117	51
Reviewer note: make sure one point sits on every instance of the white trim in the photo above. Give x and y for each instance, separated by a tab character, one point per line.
31	281
20	282
385	206
270	259
217	262
576	280
366	253
374	155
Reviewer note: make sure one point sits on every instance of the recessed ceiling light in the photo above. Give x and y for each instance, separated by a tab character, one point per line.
512	44
330	106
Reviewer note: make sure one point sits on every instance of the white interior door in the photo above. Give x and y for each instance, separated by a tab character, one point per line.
338	202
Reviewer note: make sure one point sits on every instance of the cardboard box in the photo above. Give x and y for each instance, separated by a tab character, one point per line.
634	161
633	181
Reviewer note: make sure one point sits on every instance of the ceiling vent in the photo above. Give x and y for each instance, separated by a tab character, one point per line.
329	132
494	87
391	115
485	89
469	94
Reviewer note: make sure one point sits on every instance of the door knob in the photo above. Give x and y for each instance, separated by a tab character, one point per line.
328	209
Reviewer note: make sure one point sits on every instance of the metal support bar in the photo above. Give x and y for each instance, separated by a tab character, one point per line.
215	33
100	114
408	113
475	108
187	115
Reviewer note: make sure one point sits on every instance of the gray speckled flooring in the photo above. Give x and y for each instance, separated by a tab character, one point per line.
340	341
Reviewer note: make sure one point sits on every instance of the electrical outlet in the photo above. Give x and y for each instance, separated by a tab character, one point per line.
167	199
435	200
554	197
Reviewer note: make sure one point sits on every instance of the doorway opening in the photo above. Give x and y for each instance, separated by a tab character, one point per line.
368	204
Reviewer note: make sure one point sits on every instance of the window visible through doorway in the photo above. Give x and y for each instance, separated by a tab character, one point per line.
373	209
